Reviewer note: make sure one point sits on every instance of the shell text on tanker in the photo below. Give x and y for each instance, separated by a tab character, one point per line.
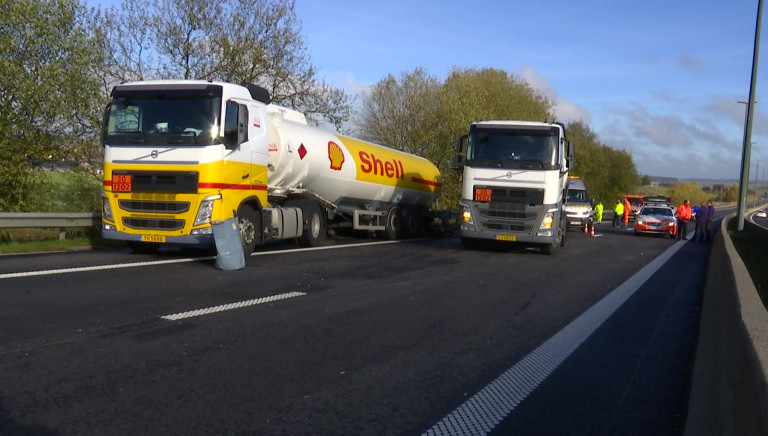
369	163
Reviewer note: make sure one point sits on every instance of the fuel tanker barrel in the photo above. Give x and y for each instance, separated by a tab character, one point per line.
347	172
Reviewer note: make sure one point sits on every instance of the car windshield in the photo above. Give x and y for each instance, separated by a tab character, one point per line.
503	147
658	211
577	196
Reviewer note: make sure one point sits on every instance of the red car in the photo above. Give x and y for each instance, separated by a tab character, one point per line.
658	220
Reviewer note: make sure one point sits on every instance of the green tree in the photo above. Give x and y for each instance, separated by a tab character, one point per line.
607	172
255	41
417	113
691	191
49	92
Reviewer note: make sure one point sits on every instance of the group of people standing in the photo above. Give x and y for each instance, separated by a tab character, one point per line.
704	217
621	213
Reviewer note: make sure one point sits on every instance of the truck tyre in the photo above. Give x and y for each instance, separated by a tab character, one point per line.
250	227
559	241
412	224
393	226
314	224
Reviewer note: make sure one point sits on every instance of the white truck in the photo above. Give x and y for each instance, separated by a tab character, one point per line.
181	155
515	181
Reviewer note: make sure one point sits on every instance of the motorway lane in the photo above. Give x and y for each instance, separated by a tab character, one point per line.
387	339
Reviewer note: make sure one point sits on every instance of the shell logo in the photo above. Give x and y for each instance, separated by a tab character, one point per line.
335	155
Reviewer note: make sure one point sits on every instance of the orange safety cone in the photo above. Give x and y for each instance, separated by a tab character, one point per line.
585	227
592	231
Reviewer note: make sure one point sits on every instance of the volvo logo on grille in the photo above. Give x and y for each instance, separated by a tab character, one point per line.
154	154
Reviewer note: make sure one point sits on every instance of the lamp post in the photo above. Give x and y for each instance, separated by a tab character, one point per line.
747	147
757	171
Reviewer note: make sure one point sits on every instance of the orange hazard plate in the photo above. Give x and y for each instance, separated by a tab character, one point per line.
122	183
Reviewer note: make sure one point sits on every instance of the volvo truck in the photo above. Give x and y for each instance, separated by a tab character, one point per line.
515	181
181	155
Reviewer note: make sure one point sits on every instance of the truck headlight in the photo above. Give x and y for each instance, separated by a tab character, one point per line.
546	223
205	211
466	214
106	209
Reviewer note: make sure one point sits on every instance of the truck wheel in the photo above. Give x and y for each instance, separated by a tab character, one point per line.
250	227
412	224
393	227
559	241
314	224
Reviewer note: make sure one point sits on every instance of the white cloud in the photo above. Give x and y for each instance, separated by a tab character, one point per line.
565	109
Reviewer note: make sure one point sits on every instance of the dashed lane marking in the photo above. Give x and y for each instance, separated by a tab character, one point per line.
231	306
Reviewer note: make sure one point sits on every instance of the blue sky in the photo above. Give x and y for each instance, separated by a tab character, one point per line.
660	79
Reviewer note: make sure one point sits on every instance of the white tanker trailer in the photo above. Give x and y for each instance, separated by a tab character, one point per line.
181	155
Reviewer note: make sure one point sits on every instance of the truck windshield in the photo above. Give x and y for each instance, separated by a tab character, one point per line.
180	116
534	149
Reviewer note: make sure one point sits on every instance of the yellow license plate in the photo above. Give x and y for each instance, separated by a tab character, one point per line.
506	238
153	238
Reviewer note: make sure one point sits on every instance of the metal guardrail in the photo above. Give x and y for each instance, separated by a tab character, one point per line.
62	221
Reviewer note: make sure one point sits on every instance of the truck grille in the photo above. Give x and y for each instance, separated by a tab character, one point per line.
180	182
510	210
506	217
154	206
153	224
519	195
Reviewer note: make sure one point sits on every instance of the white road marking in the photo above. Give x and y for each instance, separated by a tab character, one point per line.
101	267
486	409
231	306
172	261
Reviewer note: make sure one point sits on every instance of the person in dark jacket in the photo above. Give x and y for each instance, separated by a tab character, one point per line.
701	223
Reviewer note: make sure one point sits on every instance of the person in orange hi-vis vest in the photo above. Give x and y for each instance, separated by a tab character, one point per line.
683	214
627	210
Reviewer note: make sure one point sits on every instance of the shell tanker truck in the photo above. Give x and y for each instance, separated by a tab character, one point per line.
180	156
515	183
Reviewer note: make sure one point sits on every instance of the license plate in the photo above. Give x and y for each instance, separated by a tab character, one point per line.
153	238
575	223
506	238
122	183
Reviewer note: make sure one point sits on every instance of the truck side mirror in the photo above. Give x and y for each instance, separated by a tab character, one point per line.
461	152
570	152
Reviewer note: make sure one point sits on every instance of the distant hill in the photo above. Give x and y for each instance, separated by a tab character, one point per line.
669	181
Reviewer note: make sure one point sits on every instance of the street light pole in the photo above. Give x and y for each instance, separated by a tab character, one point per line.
757	171
747	147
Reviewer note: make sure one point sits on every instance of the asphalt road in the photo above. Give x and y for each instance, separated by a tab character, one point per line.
353	339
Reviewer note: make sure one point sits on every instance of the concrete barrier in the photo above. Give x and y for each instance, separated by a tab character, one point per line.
729	393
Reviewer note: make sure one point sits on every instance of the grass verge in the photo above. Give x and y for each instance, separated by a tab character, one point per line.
755	257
